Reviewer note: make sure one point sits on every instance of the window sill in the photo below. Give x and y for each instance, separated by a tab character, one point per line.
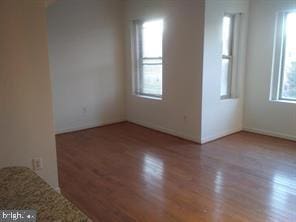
148	97
229	98
283	101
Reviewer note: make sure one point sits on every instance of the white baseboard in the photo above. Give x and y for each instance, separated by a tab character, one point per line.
88	126
271	133
219	135
166	130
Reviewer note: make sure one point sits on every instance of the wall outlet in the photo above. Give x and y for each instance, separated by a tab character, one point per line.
37	163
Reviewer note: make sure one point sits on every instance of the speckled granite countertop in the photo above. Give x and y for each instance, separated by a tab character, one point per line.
21	188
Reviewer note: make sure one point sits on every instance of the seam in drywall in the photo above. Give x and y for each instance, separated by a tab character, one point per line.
219	135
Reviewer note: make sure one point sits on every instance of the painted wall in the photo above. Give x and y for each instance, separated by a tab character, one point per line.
222	117
86	63
262	115
26	120
179	112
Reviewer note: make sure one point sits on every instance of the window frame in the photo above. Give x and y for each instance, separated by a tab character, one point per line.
283	58
279	58
229	57
139	60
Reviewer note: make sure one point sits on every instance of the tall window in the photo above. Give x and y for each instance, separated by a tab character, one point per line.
288	60
149	58
284	64
227	56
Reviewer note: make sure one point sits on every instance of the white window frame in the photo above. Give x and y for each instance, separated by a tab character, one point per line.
229	57
138	60
279	58
232	86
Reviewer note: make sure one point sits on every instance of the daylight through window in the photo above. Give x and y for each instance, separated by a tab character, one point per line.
288	63
149	58
227	55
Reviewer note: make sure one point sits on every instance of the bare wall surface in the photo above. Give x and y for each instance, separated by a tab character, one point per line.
261	114
26	119
179	112
86	63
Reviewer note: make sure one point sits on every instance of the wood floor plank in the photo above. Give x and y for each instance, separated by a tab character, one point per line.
125	172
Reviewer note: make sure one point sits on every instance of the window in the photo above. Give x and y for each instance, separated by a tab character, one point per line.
288	58
284	63
227	56
148	47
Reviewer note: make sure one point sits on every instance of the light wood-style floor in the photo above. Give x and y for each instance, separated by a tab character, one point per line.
125	172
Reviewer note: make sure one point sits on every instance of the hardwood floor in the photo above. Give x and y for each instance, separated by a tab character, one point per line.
125	172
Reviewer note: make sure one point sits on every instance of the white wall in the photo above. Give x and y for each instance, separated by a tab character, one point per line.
221	117
26	119
87	65
86	62
179	112
262	115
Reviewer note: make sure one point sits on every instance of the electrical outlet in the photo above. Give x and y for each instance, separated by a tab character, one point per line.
37	164
84	109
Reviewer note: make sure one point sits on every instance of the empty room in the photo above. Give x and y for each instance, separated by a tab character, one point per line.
148	110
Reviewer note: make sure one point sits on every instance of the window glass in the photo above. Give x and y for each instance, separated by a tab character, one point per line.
150	58
226	34
152	38
152	80
227	44
288	85
225	77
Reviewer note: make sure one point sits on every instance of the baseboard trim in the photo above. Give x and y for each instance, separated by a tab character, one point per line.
85	127
220	135
271	133
165	130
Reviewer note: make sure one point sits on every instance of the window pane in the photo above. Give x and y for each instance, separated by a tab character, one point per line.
225	89
151	51
152	79
152	38
227	43
227	35
289	72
